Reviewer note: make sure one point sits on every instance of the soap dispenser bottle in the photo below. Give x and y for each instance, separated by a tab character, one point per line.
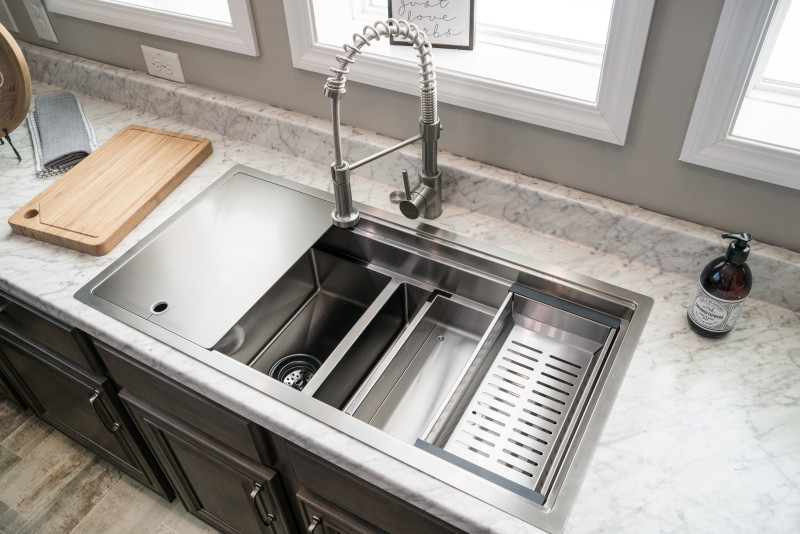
724	285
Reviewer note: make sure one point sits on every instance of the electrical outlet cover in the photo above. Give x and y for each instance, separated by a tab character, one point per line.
6	19
40	20
163	64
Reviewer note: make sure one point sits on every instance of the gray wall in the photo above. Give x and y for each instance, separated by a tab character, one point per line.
645	171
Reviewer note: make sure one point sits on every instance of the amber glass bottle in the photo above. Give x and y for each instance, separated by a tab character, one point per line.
724	286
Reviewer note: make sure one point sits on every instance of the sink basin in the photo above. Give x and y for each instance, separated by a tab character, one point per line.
306	313
489	371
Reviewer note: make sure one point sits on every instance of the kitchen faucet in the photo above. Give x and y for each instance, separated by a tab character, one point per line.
425	198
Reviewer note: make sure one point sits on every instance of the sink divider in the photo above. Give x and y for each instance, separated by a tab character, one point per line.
384	361
335	358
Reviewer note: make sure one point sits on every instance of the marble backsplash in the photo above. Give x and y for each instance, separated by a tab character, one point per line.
602	224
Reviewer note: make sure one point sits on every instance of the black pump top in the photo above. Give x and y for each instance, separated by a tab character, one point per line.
738	249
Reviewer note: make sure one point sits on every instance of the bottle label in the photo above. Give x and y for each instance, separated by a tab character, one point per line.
712	313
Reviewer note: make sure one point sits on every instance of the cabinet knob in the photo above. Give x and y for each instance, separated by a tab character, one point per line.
263	514
315	521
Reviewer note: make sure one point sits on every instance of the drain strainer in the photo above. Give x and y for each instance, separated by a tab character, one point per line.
295	370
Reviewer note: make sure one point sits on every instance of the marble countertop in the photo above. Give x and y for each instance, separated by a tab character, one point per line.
704	435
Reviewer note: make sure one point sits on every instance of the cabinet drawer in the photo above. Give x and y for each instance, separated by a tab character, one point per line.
360	498
23	320
322	517
206	416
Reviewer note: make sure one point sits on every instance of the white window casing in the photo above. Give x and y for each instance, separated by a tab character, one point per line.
601	111
710	140
238	36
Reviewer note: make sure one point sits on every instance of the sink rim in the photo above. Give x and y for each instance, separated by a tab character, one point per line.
379	225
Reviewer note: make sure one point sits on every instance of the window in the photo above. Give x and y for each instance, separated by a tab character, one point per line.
572	65
770	111
208	9
223	24
747	112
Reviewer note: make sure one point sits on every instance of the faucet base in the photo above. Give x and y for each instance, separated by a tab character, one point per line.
348	220
344	215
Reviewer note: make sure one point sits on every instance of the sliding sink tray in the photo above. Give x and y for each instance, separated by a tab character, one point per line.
511	415
406	388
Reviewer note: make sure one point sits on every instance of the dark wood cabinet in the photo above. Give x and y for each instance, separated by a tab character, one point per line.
29	323
353	497
227	490
233	474
74	399
323	517
194	410
7	391
78	403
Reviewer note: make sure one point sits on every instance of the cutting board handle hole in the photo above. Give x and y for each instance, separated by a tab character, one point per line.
30	214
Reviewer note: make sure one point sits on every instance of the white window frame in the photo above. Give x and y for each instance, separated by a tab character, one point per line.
239	36
740	35
606	119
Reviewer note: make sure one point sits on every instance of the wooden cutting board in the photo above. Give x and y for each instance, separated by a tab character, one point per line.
95	204
15	83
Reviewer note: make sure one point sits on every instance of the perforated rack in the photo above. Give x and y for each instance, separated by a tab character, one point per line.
540	356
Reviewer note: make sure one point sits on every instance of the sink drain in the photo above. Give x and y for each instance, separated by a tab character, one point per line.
295	370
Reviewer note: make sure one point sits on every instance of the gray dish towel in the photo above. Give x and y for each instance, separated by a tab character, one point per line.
62	136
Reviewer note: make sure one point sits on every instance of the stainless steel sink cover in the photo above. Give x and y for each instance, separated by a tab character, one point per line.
209	266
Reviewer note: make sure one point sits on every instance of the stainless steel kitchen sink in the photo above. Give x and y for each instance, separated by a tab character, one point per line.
490	371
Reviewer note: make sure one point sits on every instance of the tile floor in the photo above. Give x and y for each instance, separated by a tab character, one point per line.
49	484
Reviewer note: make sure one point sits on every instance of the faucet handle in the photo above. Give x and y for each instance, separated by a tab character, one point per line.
415	201
406	184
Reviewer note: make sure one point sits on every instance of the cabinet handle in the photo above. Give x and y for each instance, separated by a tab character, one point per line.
264	515
315	521
110	425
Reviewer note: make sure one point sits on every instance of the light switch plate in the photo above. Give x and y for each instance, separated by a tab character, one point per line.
6	19
163	64
41	22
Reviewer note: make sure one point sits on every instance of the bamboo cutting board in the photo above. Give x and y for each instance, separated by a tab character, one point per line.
15	84
95	204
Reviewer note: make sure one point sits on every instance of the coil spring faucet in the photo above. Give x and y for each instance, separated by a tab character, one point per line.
425	198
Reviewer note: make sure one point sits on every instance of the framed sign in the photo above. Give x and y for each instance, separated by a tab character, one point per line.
447	23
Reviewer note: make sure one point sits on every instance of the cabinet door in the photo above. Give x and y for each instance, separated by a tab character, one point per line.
7	391
206	417
322	517
220	486
361	499
76	402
